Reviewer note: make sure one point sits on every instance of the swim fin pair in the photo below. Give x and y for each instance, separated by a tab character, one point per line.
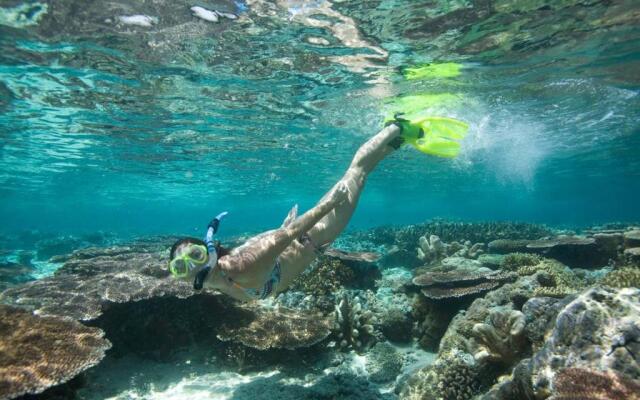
437	136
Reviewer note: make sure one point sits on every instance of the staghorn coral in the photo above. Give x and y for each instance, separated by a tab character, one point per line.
40	352
623	277
326	277
502	339
354	325
281	328
513	261
585	384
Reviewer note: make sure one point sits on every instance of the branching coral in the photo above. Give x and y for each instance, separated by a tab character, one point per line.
585	384
354	325
623	277
501	340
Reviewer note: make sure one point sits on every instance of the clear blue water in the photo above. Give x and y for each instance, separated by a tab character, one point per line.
154	129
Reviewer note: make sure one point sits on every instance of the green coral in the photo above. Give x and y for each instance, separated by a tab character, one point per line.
623	277
327	276
555	279
513	261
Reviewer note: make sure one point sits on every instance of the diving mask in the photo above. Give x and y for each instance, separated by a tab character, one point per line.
192	257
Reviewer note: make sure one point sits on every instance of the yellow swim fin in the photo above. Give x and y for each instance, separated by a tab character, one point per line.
437	136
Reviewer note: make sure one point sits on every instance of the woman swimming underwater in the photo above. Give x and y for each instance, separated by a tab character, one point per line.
267	263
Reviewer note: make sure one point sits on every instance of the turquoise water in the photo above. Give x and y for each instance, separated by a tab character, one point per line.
126	128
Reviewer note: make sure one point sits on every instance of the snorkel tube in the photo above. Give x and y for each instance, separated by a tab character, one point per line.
212	229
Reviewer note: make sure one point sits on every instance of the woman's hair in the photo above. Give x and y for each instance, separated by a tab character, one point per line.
222	251
180	242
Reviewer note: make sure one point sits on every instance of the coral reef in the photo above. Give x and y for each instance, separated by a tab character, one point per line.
502	338
453	376
597	331
82	287
506	246
263	329
555	279
585	384
632	239
433	249
384	363
574	251
623	277
40	352
632	256
354	324
459	283
513	261
326	276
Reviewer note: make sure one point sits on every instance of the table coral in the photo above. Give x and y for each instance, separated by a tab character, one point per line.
39	352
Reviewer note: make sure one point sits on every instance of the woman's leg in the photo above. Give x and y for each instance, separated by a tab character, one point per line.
324	222
364	161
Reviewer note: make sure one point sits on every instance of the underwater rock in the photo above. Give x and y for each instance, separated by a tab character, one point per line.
384	363
502	338
39	352
540	316
573	251
598	331
261	328
82	288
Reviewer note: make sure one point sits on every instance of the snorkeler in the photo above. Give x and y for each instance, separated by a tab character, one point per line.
267	263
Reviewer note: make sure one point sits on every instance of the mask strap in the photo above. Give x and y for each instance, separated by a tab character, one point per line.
198	282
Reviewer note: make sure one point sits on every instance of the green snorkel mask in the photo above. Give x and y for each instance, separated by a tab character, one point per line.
193	257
